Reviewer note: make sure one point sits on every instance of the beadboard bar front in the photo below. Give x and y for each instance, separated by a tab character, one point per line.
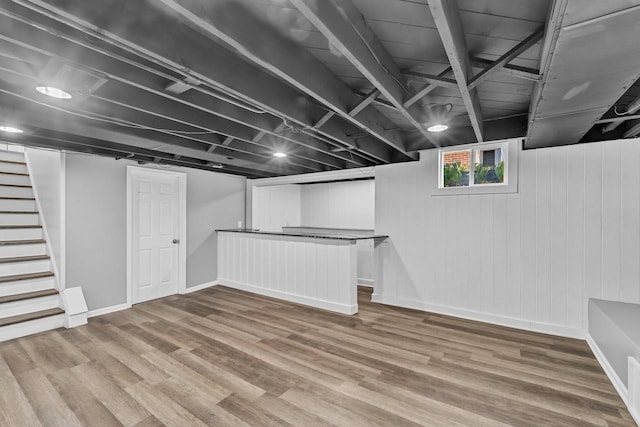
316	271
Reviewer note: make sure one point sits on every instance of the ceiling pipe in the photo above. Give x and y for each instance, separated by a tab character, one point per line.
633	130
187	79
630	109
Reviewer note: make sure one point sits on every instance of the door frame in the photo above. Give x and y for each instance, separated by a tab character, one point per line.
182	209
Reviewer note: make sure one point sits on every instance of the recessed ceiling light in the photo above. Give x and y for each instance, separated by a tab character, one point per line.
53	92
10	129
437	128
279	154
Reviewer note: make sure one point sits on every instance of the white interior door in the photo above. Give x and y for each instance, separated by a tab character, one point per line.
155	233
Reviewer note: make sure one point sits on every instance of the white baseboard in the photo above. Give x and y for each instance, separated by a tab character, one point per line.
608	369
511	322
313	302
200	287
107	310
365	282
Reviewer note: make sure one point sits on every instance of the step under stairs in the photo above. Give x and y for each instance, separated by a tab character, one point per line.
29	297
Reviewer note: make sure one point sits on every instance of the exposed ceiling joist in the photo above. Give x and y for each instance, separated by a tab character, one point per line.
208	62
518	71
447	18
286	59
74	143
633	131
364	103
550	38
345	28
583	73
218	115
434	80
55	122
512	54
425	90
619	119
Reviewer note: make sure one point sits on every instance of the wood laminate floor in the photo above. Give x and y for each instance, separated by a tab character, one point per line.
224	357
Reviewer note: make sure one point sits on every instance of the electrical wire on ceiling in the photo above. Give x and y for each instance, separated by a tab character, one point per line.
106	119
97	34
238	102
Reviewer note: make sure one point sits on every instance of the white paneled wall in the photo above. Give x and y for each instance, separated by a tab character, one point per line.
275	206
346	204
314	271
530	259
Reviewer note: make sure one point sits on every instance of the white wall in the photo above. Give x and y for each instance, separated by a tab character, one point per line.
46	176
275	206
530	259
96	225
346	204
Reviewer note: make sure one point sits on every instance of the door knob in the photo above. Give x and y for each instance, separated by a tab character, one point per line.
176	241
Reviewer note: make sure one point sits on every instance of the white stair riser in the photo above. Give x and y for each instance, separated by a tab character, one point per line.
19	219
32	327
14	179
21	233
31	305
24	267
17	205
22	250
24	286
12	156
15	192
13	167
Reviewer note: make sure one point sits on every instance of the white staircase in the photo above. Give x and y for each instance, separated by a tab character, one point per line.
29	298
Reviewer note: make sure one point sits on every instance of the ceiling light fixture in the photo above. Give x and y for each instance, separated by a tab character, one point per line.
10	129
279	154
437	128
53	92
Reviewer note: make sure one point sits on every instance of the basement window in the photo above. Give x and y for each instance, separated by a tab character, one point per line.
478	168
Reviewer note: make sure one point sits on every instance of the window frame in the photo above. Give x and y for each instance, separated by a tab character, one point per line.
511	149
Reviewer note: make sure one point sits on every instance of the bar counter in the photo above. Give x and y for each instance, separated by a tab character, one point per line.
318	270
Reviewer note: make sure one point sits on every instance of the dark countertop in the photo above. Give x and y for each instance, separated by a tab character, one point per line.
341	236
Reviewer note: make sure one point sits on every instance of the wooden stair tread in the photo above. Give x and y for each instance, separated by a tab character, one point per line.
24	258
18	212
16	277
15	185
17	198
30	316
13	173
28	295
20	242
11	227
13	161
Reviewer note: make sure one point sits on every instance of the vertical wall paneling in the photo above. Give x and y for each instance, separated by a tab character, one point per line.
527	186
543	235
328	276
463	231
499	254
576	308
529	259
475	264
513	260
593	221
484	248
558	243
629	223
611	202
345	204
275	206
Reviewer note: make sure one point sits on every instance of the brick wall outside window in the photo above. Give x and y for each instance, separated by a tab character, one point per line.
456	156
